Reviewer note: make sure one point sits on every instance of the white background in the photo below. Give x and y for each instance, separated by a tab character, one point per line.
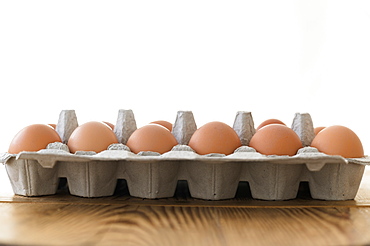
273	58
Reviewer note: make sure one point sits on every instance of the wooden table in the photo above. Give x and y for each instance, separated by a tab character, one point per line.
63	219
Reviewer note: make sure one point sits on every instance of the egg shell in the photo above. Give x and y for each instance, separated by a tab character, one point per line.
109	124
164	123
318	129
54	126
270	121
276	139
339	140
33	138
152	137
215	137
91	136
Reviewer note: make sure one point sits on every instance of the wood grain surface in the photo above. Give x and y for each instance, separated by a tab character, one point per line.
63	219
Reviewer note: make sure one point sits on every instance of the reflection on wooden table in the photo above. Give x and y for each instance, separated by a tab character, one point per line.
63	219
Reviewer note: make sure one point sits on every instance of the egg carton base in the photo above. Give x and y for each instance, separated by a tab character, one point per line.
209	178
208	181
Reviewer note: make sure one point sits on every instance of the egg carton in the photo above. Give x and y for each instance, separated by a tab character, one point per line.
210	177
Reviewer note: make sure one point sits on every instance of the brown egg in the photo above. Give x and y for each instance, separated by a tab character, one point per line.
268	122
53	126
276	139
318	129
338	140
151	137
164	123
215	137
91	136
109	124
33	138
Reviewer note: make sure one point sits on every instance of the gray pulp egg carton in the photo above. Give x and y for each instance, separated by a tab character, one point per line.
211	177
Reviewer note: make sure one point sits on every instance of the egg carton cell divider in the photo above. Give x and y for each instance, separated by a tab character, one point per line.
210	177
